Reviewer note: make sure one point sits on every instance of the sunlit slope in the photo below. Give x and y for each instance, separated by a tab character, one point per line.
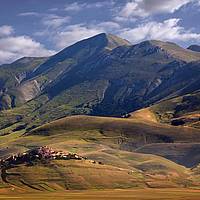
141	130
119	169
184	153
68	175
179	111
101	139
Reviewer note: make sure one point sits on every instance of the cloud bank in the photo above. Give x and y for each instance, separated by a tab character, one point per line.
145	8
168	30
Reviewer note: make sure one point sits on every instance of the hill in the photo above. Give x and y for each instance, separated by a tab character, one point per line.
114	142
182	111
141	133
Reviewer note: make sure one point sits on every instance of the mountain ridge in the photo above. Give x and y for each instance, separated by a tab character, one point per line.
102	75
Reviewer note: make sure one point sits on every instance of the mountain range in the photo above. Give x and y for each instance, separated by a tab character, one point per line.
103	75
111	101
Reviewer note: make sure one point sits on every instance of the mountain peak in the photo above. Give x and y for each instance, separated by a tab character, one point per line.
108	41
84	49
115	41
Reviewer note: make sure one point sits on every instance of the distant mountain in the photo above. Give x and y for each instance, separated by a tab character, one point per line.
194	48
102	75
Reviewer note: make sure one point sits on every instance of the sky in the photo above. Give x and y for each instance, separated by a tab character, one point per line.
44	27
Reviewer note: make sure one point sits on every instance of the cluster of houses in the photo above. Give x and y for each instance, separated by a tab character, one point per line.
42	153
48	153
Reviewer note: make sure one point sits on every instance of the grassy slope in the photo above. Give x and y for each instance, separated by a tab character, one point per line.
59	175
101	139
185	108
184	153
131	127
120	170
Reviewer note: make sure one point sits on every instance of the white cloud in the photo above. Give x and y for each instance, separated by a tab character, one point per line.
54	21
49	20
73	34
6	30
77	32
29	14
132	9
52	24
101	4
14	47
169	30
107	26
144	8
76	6
164	6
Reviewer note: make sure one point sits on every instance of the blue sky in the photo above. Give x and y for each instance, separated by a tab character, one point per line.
43	27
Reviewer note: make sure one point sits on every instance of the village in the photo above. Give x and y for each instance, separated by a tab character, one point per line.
43	153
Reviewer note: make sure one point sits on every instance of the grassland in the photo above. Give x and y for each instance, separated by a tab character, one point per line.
104	140
117	143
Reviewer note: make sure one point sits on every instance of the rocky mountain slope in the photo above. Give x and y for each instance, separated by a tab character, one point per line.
102	75
13	90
